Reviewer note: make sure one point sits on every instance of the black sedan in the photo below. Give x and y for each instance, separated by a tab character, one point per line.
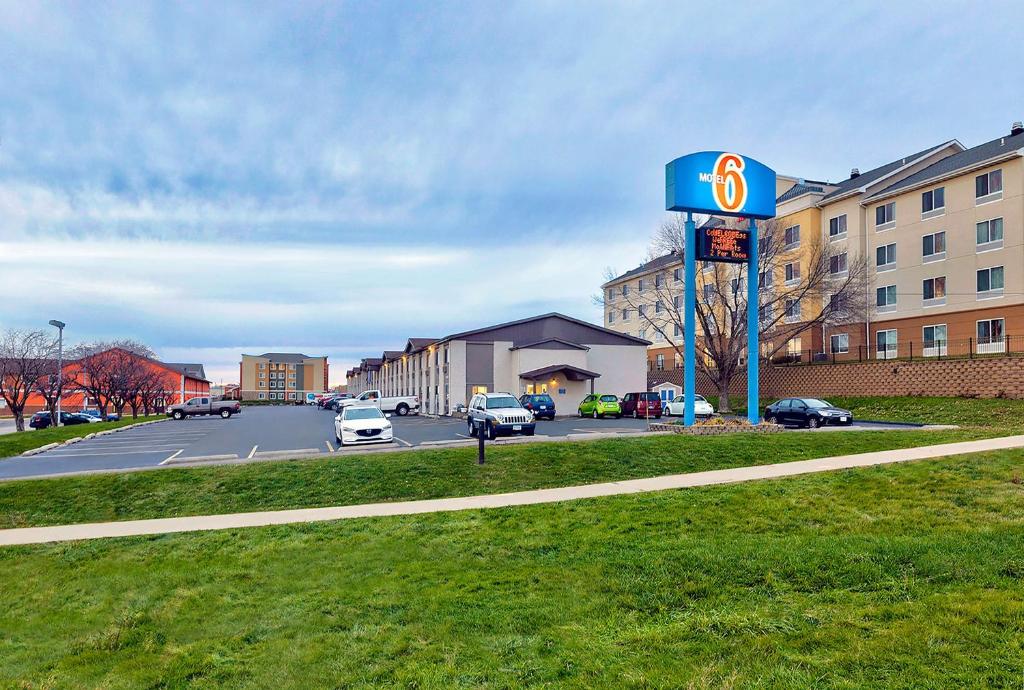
41	420
809	412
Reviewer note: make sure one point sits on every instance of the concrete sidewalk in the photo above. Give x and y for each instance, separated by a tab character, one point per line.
39	535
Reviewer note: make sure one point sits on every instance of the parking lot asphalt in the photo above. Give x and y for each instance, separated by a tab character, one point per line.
261	432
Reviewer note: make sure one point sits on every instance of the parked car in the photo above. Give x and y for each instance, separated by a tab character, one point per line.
41	420
357	424
677	407
401	404
642	405
335	402
541	405
809	412
327	402
98	416
196	407
498	413
596	405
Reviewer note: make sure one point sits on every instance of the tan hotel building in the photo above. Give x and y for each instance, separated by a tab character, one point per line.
283	376
943	234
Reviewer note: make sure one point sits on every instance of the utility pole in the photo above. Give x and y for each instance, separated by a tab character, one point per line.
59	325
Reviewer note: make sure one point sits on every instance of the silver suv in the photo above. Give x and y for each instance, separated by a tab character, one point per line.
498	413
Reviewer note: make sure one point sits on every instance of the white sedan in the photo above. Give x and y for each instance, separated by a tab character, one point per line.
358	424
701	407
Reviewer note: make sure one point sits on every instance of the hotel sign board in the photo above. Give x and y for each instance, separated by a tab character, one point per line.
723	244
721	184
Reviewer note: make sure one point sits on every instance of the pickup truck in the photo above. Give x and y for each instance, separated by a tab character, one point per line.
194	407
400	405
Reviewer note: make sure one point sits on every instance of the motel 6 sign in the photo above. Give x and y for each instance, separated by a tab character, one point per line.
721	184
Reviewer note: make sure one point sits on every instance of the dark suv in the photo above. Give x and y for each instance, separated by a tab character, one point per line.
541	405
642	405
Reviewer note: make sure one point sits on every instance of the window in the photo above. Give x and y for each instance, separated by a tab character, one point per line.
659	362
792	273
764	280
625	290
988	186
792	236
659	280
709	292
263	365
837	264
792	310
837	227
934	290
933	200
263	375
885	257
625	314
933	247
990	281
885	344
263	384
840	343
934	340
640	285
677	330
677	275
291	367
737	285
291	375
885	297
611	295
262	396
766	313
291	396
643	334
611	317
659	336
659	307
642	309
677	301
990	336
885	215
990	234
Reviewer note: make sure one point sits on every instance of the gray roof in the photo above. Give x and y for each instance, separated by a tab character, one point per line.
196	371
416	344
652	265
965	160
391	355
294	357
800	189
547	327
865	178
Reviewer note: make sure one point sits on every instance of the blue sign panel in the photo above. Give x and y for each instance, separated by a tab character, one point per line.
721	184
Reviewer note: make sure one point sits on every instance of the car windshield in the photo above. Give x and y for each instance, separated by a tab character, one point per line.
815	403
542	398
362	413
502	401
699	398
609	398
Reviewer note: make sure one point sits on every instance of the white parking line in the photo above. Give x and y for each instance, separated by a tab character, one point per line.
179	452
251	453
462	435
403	442
95	455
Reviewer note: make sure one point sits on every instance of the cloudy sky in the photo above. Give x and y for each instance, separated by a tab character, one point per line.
217	178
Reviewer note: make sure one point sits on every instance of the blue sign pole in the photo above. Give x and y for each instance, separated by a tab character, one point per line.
689	319
753	328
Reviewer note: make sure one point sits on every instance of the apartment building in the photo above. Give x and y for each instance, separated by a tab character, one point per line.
284	376
552	353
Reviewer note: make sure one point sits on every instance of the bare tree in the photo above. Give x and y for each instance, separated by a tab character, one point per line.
52	386
803	283
24	359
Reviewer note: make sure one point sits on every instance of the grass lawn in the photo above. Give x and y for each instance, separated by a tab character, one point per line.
16	443
981	412
346	480
887	577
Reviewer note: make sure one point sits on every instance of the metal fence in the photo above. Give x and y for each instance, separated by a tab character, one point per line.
910	350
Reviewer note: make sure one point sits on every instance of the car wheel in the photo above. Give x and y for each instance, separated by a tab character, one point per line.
179	415
224	414
770	419
580	412
402	410
812	423
472	429
492	433
595	413
635	415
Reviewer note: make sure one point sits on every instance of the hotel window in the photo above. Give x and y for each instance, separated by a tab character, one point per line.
990	335
989	186
625	290
933	247
658	307
837	264
659	280
263	365
625	315
263	384
677	301
677	275
933	200
990	281
885	215
640	285
291	396
765	280
885	297
766	313
642	310
934	340
677	330
792	273
643	333
292	367
792	310
837	227
840	343
659	362
792	236
611	317
262	396
885	257
990	234
934	290
709	292
263	375
885	344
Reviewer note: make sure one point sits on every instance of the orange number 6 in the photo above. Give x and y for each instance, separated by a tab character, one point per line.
729	187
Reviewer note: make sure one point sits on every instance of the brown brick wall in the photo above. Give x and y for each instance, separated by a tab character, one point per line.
986	378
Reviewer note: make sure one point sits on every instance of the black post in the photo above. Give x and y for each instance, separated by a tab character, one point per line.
480	446
970	348
911	351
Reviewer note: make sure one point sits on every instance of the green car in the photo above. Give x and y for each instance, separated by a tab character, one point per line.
599	406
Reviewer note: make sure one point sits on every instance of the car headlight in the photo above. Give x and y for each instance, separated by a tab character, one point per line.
498	420
826	413
386	427
348	429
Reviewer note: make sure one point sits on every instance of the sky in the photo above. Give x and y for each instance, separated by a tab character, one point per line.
333	178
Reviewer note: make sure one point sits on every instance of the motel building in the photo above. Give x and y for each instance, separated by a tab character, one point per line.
555	354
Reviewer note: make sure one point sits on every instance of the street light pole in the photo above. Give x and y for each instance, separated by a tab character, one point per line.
59	325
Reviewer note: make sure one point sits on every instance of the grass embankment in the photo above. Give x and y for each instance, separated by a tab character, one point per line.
981	412
341	480
16	443
888	577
